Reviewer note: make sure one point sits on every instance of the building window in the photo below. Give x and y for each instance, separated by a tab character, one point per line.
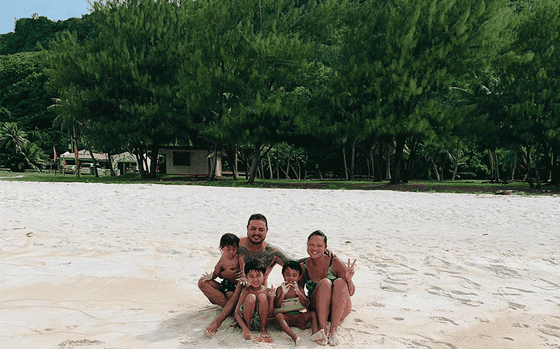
181	158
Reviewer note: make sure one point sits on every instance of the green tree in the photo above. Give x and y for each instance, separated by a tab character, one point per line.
401	54
246	56
122	85
531	88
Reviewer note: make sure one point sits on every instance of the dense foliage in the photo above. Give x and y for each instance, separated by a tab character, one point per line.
401	89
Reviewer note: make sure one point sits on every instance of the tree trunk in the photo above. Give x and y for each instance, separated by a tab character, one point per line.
235	168
555	176
435	168
344	158
377	168
537	172
396	175
388	164
514	167
142	161
213	163
409	168
353	159
256	158
269	166
288	164
154	158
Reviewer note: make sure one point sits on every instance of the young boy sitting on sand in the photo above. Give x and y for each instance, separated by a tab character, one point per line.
229	244
291	303
255	304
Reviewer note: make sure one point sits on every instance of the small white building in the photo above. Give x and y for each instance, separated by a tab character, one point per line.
186	161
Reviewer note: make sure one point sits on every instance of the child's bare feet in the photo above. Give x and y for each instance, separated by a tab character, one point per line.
247	335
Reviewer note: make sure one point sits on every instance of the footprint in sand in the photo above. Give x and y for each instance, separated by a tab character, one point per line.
444	320
550	330
67	344
516	306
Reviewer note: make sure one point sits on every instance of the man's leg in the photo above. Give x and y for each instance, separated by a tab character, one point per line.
211	290
227	311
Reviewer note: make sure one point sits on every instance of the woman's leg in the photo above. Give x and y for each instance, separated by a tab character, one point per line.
341	305
321	302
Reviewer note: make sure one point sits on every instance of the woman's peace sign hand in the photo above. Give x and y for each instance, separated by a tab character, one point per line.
350	270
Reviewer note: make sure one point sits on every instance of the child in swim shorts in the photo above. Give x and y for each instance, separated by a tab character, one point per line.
255	304
291	305
230	259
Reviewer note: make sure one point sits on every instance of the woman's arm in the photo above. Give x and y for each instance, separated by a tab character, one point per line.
346	273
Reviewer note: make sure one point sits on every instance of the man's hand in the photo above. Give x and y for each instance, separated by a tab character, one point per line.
231	274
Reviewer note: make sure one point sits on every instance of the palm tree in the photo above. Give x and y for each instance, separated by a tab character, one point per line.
12	138
18	153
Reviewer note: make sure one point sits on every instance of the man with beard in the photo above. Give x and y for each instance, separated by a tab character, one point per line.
253	246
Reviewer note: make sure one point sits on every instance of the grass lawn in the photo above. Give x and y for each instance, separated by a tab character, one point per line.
459	186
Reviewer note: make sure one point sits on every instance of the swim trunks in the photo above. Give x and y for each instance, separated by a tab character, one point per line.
227	286
255	324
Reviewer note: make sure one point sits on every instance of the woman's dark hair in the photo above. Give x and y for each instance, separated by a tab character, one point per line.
318	233
292	265
254	264
229	239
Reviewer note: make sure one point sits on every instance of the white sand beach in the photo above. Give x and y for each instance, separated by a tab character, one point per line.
116	266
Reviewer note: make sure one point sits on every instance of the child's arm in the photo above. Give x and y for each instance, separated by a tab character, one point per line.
271	298
280	295
301	295
239	319
217	270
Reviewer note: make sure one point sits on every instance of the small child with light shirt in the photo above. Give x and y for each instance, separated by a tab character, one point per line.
291	305
229	244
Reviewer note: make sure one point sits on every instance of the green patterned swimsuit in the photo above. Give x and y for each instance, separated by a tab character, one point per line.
310	284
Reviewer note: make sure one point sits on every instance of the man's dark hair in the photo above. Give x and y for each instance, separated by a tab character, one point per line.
257	217
229	239
254	264
292	265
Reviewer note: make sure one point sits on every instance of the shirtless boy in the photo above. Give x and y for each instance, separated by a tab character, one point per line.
230	260
290	305
255	304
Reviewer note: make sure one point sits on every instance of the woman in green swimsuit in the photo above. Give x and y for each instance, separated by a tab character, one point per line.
329	285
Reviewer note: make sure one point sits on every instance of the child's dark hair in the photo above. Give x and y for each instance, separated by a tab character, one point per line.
292	265
254	264
229	239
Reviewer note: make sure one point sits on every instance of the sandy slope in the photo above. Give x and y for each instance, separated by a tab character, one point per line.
116	266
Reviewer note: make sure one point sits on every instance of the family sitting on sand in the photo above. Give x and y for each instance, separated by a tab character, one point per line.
244	268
